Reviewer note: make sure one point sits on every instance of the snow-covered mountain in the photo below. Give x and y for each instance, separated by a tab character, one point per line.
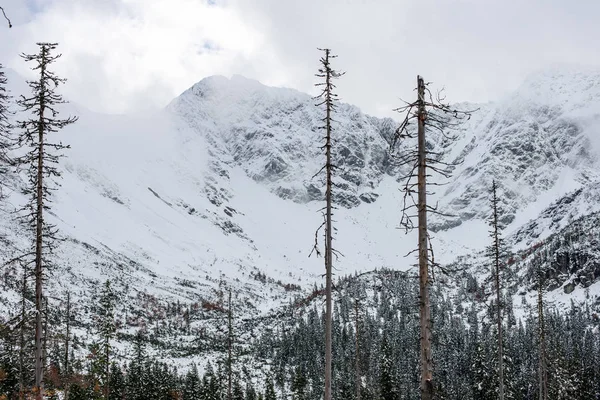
217	192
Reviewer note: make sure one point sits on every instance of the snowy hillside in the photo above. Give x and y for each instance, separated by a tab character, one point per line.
216	191
539	143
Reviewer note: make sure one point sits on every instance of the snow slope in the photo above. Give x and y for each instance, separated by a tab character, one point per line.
216	190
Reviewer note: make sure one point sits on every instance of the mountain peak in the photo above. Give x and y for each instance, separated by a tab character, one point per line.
222	83
560	85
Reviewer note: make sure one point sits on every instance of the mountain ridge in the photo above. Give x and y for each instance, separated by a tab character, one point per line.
215	193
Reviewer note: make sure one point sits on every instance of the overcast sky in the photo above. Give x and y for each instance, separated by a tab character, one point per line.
131	55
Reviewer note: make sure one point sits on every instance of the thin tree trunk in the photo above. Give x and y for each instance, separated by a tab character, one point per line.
230	344
543	371
38	240
424	307
328	237
22	338
499	308
357	352
67	376
107	370
45	337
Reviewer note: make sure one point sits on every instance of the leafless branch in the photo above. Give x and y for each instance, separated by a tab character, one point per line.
6	18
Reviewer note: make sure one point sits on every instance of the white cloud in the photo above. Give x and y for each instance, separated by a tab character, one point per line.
125	55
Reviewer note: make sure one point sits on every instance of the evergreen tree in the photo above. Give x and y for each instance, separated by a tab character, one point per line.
299	385
117	382
192	388
238	391
387	386
270	390
250	392
106	331
80	391
136	373
496	254
9	372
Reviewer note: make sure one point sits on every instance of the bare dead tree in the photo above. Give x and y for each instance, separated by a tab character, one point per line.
6	139
327	98
22	337
5	17
41	160
45	337
433	114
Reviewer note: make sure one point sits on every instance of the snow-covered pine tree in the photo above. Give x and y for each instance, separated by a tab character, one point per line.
210	384
299	383
542	345
250	391
269	390
117	382
9	372
192	388
495	253
483	373
136	372
107	329
387	384
41	159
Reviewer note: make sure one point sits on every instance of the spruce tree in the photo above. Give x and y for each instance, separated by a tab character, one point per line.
299	385
495	253
41	160
387	384
250	391
136	372
117	382
106	332
191	385
270	390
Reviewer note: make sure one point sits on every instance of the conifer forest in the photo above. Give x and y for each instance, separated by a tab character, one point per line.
254	242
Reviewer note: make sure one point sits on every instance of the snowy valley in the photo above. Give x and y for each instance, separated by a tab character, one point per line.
216	193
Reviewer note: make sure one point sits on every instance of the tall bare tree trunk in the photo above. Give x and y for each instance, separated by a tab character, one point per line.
229	345
67	376
38	239
45	338
22	338
543	368
496	238
328	97
424	306
41	105
328	236
357	352
107	372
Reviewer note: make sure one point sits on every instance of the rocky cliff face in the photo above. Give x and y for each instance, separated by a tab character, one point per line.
275	135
